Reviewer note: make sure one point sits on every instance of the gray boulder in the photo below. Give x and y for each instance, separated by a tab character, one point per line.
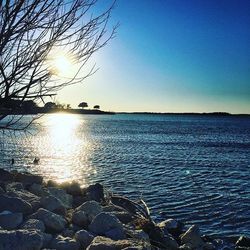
53	204
79	218
9	220
20	240
28	179
34	224
14	204
38	190
84	238
107	224
25	195
91	209
115	234
193	238
64	243
53	222
60	194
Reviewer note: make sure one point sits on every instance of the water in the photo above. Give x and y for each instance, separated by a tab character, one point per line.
192	168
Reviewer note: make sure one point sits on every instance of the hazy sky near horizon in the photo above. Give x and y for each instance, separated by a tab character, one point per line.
172	56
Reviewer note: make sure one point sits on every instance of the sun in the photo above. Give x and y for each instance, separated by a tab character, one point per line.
61	64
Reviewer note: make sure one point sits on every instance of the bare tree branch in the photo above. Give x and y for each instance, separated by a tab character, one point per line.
30	31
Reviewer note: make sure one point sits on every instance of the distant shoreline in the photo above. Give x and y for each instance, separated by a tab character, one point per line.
184	113
100	112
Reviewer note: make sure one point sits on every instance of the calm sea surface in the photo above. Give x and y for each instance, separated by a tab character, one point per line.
192	168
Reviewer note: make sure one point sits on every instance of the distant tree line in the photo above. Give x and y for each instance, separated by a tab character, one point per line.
30	107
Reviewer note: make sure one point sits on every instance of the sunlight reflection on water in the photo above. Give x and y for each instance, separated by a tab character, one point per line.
61	145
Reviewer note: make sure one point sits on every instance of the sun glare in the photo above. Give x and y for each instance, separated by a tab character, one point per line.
61	64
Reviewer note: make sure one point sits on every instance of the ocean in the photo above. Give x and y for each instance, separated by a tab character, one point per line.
191	168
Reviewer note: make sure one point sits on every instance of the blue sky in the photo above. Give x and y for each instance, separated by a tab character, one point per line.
172	56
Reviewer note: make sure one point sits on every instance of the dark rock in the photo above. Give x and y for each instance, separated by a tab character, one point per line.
33	224
53	204
28	179
84	238
26	196
95	192
6	176
193	238
243	241
74	227
47	238
9	220
53	222
115	234
158	237
172	226
38	190
123	217
78	200
79	218
20	240
64	243
14	204
68	233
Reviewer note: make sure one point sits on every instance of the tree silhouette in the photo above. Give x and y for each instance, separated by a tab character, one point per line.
30	30
83	105
96	107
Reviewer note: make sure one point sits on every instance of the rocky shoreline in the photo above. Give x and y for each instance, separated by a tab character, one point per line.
35	215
